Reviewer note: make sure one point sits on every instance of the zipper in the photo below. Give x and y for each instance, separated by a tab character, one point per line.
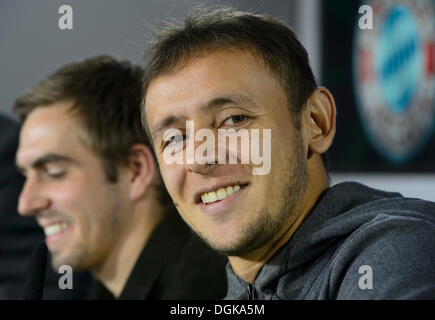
252	292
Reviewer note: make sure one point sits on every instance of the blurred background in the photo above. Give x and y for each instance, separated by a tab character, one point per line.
382	78
377	62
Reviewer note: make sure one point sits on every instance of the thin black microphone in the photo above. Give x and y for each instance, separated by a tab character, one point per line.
34	286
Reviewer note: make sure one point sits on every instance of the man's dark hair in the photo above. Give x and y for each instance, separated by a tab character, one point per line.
106	94
221	28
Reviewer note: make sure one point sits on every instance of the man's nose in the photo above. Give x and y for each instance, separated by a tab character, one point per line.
31	199
202	169
196	161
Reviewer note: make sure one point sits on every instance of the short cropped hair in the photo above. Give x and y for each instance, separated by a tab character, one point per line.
106	95
223	27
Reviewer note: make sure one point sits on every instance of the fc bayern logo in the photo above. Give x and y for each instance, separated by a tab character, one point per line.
394	77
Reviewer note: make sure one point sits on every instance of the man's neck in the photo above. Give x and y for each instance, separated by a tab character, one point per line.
117	267
249	266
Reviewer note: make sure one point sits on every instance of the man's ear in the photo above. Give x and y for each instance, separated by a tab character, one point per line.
141	167
319	117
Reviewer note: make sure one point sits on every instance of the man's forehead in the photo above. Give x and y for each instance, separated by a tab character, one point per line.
49	122
46	130
201	79
54	116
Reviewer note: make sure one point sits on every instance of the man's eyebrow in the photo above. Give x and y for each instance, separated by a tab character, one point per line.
165	123
236	99
47	158
50	158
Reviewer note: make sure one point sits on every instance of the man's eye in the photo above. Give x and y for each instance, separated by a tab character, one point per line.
55	175
234	120
174	140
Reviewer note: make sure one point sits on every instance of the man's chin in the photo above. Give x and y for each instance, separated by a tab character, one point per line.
237	250
244	240
58	260
234	247
56	264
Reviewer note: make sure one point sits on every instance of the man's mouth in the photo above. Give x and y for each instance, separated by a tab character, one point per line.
55	228
220	193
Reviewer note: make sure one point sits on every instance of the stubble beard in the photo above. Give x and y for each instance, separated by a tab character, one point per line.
81	257
266	224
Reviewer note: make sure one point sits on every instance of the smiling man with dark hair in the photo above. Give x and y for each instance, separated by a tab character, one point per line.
93	186
288	234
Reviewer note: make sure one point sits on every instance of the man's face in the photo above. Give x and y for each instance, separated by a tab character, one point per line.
66	189
223	90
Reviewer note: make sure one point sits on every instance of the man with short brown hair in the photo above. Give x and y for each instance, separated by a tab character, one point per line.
93	186
288	234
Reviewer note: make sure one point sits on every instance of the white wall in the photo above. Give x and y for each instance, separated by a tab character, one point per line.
410	185
308	28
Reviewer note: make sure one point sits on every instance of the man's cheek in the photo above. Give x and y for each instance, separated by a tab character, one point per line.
171	180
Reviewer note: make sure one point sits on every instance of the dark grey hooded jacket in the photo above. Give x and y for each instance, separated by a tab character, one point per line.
357	243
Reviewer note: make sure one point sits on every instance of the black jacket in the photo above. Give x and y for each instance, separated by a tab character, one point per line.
174	265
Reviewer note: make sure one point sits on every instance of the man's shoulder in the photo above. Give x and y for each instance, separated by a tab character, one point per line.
350	210
381	248
390	257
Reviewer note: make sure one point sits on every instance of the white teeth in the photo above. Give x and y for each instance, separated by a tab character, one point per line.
212	197
54	228
220	194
